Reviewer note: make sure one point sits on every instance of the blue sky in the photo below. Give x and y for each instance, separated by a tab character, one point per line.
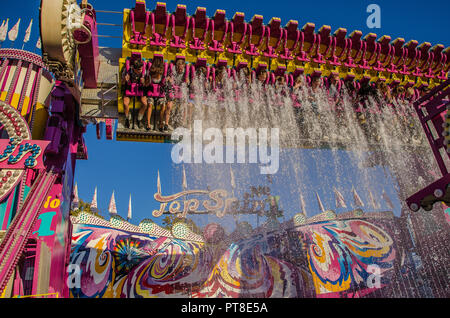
129	167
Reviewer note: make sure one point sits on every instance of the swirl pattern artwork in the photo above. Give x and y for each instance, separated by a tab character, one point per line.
323	259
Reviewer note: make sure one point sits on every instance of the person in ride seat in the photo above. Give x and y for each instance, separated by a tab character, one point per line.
399	93
200	82
298	83
245	74
297	96
280	83
201	71
244	79
315	83
133	78
221	73
157	90
281	89
313	98
424	90
410	94
178	78
385	95
334	86
261	75
199	89
201	75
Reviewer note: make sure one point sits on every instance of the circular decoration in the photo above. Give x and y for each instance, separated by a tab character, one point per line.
330	215
299	219
147	226
244	229
128	253
83	217
80	28
17	129
213	233
180	229
116	221
414	207
82	35
58	43
22	55
358	212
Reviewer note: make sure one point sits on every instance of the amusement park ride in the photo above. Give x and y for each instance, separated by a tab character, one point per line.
47	102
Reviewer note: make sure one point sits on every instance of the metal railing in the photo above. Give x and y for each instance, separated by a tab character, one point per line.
105	102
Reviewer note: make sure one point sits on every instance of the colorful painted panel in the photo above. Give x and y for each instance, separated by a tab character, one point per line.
116	263
339	258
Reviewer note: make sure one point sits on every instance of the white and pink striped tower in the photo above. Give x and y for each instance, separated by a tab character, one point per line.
25	87
39	117
25	84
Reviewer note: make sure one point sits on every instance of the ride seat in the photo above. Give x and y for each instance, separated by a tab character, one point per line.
178	18
159	16
199	20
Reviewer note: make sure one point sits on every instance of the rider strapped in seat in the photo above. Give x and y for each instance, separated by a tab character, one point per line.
179	77
157	90
133	81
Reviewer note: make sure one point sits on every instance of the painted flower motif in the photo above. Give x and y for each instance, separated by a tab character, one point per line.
128	253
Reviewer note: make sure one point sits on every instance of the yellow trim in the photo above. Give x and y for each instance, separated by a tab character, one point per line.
15	100
40	120
150	139
25	105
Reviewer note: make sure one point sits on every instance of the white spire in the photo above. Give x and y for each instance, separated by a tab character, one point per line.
38	43
184	183
76	200
94	206
322	209
158	184
112	205
28	32
388	200
4	31
356	198
232	181
12	34
373	203
302	204
129	210
340	202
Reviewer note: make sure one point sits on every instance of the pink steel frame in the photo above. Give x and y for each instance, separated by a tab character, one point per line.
15	240
431	110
